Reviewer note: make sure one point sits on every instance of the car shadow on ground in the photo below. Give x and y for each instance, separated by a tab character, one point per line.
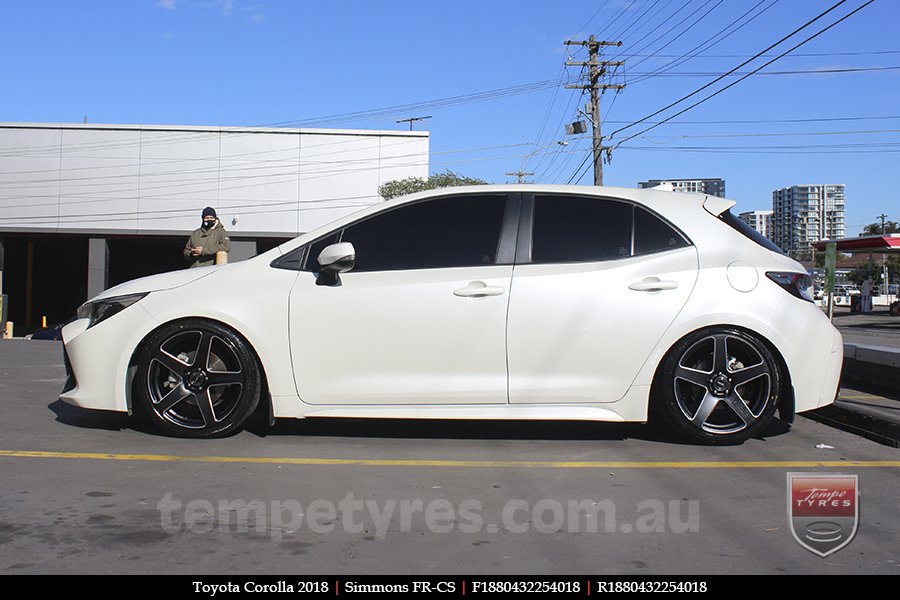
97	419
456	429
477	429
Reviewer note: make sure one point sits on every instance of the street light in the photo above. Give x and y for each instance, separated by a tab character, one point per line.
522	173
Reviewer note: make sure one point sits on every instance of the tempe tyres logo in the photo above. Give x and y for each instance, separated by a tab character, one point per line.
823	510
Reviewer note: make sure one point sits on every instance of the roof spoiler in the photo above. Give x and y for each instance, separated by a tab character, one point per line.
716	206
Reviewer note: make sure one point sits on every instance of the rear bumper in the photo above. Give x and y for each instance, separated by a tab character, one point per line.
813	351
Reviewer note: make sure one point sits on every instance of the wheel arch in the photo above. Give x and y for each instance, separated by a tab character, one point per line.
786	405
131	369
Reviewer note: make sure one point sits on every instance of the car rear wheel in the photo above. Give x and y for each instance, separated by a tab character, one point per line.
718	386
197	379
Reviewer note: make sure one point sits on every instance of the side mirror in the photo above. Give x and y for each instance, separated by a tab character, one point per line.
333	260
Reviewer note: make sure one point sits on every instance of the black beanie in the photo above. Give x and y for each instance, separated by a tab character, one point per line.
209	211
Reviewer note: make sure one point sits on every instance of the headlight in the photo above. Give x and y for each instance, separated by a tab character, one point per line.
796	284
100	310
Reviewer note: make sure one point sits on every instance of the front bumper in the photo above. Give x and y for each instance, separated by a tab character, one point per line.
97	358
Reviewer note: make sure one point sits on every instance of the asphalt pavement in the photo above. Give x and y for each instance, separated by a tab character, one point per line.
95	492
870	403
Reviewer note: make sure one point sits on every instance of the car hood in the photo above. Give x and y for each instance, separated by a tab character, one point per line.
155	283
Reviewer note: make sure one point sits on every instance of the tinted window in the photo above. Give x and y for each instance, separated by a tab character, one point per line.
652	234
751	233
461	231
576	229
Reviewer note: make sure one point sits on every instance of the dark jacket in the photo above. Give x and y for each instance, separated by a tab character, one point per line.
212	240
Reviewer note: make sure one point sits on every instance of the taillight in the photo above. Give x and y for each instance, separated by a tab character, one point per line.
796	284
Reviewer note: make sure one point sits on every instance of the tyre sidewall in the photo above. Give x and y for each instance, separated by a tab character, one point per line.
250	393
664	404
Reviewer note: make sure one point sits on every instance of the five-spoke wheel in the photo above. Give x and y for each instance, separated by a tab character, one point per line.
718	385
197	379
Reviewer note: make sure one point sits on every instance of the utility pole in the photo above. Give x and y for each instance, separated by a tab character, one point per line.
882	216
597	70
520	175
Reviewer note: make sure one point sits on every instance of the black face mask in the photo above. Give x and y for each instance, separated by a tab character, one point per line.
207	224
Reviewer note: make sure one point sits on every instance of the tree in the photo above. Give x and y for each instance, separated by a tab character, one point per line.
873	269
875	228
410	185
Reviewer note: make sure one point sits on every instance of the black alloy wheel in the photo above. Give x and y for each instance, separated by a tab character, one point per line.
197	379
718	386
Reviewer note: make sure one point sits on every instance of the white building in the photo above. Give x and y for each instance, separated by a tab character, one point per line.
760	220
86	206
807	213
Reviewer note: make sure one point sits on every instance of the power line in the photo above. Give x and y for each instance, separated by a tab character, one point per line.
819	71
678	27
711	41
714	81
795	55
732	84
783	134
758	121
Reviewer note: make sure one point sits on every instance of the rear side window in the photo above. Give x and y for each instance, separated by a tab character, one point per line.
586	229
652	234
580	229
749	232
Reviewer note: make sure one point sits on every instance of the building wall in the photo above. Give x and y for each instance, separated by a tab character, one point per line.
711	187
155	180
84	207
760	220
804	214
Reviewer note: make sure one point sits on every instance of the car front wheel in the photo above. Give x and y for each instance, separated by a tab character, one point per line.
718	386
197	379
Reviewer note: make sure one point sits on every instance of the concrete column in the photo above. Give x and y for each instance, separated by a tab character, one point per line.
98	266
242	250
4	309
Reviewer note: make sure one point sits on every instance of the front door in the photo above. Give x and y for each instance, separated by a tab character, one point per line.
421	319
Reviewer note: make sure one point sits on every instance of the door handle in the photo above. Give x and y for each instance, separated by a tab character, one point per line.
652	284
478	289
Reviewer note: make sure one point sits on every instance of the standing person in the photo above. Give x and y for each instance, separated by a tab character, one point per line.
200	249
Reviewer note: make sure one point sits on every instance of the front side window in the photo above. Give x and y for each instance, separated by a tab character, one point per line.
461	231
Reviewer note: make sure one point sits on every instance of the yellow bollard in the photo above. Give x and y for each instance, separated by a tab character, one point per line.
8	332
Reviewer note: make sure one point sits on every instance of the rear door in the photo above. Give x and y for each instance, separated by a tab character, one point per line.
596	284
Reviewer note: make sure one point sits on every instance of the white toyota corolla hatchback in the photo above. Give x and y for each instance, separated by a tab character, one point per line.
493	302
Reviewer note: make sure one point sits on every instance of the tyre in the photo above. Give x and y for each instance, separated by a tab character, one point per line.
197	379
718	386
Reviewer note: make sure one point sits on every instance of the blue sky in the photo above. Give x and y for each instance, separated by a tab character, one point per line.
234	62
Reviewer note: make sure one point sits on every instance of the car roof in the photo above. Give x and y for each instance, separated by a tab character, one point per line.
678	207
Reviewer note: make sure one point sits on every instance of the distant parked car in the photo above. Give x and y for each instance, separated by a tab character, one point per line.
51	332
845	290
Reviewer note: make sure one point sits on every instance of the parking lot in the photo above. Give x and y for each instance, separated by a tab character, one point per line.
89	492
